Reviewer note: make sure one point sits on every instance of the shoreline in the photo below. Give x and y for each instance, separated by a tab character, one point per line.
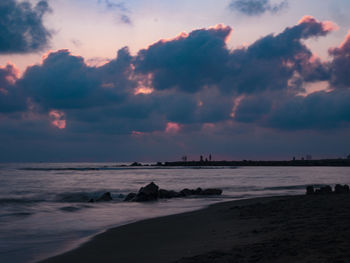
295	228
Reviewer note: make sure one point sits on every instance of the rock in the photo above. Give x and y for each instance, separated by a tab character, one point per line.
147	193
105	197
129	197
91	200
162	193
198	191
324	190
310	190
186	192
341	189
211	191
152	192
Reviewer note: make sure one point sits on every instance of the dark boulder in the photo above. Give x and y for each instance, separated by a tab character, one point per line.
198	191
129	197
105	197
341	189
310	190
186	192
162	193
211	191
324	190
147	193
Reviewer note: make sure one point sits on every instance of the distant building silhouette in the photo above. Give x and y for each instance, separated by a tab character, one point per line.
210	157
201	158
308	157
184	158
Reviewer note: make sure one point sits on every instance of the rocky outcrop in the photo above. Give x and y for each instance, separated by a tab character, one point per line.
151	192
105	197
310	190
147	193
162	193
130	197
211	192
327	189
341	189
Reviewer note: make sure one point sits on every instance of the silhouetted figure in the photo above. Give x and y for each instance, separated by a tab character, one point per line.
210	157
294	158
201	158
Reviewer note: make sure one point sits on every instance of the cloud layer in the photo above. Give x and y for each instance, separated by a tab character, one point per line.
191	86
257	7
21	26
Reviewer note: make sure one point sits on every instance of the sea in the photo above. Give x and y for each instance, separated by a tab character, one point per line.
44	208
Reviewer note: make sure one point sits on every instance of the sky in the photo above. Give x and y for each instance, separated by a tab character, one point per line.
154	80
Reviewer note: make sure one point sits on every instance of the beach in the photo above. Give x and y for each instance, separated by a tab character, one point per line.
271	229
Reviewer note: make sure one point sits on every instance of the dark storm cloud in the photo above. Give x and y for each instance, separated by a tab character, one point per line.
270	62
340	65
21	26
187	62
193	81
257	7
11	100
182	91
64	81
320	110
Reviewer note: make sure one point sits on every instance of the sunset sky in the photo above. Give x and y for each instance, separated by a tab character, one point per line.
149	80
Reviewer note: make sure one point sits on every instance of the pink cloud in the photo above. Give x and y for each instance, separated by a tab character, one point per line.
172	127
327	26
137	133
343	48
13	73
58	119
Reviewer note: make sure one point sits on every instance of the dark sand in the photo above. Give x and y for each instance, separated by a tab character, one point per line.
275	229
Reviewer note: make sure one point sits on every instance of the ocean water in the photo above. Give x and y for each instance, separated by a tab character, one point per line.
44	209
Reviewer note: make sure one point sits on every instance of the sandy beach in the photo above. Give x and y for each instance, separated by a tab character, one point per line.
274	229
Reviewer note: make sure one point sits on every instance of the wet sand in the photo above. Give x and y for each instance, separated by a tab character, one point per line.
274	229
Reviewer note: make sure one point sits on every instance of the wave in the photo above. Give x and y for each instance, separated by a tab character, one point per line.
4	201
74	208
124	167
291	187
84	197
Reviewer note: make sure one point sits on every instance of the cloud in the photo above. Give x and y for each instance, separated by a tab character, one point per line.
188	61
340	65
64	81
257	7
123	11
190	86
22	29
319	110
11	99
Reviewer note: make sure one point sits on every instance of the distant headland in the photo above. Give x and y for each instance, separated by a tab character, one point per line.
206	162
